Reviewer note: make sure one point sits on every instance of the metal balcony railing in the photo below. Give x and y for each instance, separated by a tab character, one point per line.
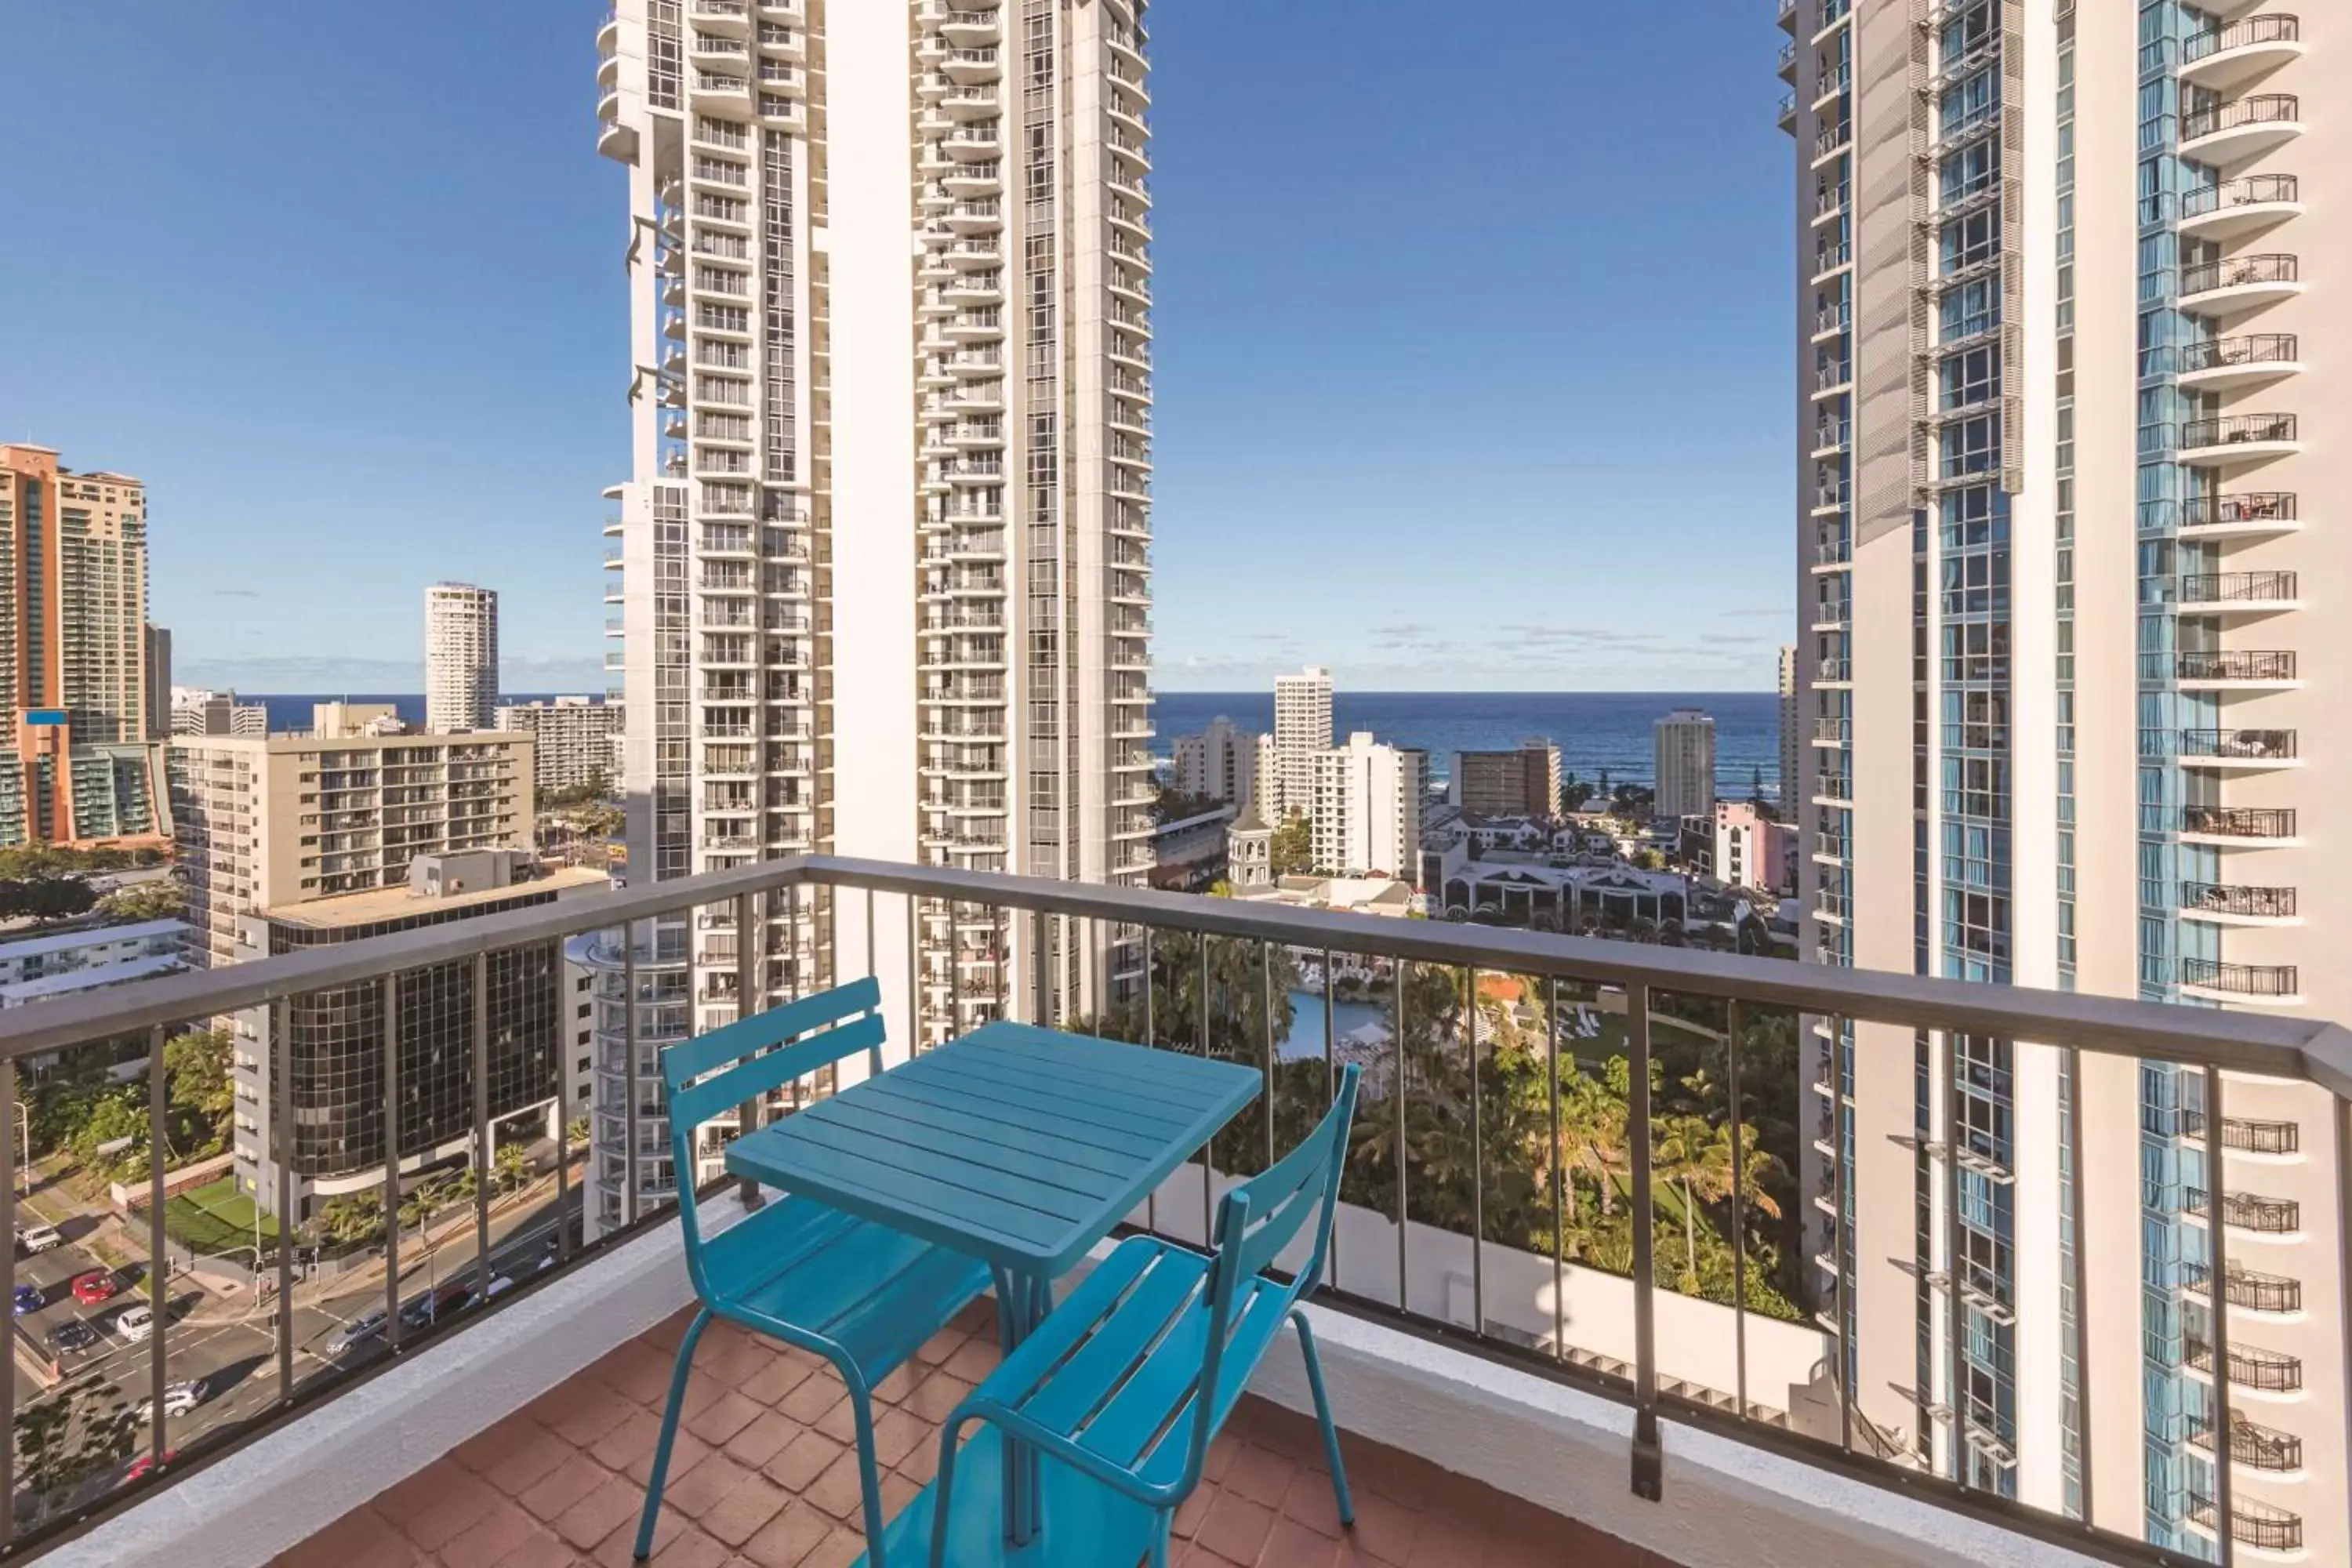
1471	1097
2237	745
2269	29
2237	271
2256	109
2248	191
2254	903
2228	664
2255	348
2239	821
2246	1288
2251	1135
2238	587
2251	1524
2272	1372
2237	429
2240	979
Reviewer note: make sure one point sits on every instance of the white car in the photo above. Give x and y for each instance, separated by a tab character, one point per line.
135	1323
178	1400
38	1238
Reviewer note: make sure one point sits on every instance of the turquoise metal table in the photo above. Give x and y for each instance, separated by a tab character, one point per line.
1022	1146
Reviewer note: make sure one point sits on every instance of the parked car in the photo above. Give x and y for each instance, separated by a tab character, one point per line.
94	1287
135	1323
38	1238
178	1400
430	1308
73	1334
28	1299
355	1333
146	1462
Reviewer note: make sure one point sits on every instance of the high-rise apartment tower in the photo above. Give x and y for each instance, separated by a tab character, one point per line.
884	553
1302	732
2064	340
1684	744
461	657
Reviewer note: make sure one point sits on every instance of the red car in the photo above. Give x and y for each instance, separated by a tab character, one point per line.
94	1287
146	1462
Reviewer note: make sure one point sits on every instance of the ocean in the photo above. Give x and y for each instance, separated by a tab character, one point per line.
1595	730
293	712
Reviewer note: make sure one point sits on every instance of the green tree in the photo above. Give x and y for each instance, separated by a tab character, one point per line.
1292	848
82	1427
199	1092
112	1117
1573	794
352	1219
511	1166
164	899
1755	786
45	898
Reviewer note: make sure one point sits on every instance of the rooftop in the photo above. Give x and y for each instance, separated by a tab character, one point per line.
390	903
91	936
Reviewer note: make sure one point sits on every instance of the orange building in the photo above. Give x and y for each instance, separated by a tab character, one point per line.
78	764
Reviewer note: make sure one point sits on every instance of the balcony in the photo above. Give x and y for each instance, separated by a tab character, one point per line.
2251	1524
2237	132
2239	285
2230	56
1513	1389
2224	363
2247	1289
2238	440
2270	984
2235	208
2236	748
2268	1217
2252	1370
2231	669
2236	594
2264	827
2242	1135
2246	512
2221	904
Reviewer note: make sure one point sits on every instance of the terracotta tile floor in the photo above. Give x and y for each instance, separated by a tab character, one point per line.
764	1476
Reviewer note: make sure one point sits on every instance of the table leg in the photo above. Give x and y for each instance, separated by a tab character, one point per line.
1024	1302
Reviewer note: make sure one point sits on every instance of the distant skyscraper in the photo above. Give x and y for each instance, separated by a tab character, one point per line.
575	738
1302	731
1220	762
461	657
1791	743
1686	763
1366	809
159	683
76	764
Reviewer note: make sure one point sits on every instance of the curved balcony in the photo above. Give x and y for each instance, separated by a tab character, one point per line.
2247	1289
2251	1524
2261	984
967	29
2238	207
2233	669
2272	1373
2238	440
2219	363
2230	594
2233	56
2241	827
2256	1136
2239	285
2260	512
2237	749
2240	131
2278	1455
2218	903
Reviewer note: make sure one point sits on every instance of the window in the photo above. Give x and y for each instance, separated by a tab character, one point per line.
1971	169
1967	379
1972	308
1970	447
1971	240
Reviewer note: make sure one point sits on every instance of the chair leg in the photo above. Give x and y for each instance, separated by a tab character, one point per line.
1323	1415
869	1471
654	1482
1160	1538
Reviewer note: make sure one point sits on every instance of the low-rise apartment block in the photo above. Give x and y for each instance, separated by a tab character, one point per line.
41	967
575	738
198	712
1522	781
1221	763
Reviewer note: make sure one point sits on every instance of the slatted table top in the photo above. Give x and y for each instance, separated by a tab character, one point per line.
1017	1144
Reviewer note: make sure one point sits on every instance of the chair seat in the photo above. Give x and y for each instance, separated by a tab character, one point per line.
876	1293
1116	1368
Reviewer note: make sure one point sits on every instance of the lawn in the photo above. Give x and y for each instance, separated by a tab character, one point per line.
215	1218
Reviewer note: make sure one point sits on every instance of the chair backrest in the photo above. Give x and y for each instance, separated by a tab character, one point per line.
746	1060
1255	1223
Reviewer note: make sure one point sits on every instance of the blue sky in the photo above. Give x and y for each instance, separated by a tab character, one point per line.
1472	342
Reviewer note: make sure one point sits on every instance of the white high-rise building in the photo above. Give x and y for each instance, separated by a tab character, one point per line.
1792	740
2064	375
575	738
1366	809
461	657
1302	731
1219	762
885	554
1684	743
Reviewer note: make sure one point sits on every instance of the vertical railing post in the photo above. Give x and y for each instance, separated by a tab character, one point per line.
913	979
1397	1100
1738	1212
1955	1259
1648	1452
1266	1001
1843	1178
283	1124
629	1037
485	1165
1151	1042
1331	1097
1209	1148
747	975
389	992
1000	948
13	1158
1477	1159
1559	1174
2217	1226
1041	972
158	1263
2083	1401
555	981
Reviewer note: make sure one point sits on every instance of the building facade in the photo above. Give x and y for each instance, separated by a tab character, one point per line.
269	821
41	967
1220	762
198	712
1366	810
1302	732
461	657
1791	737
884	555
159	682
77	764
574	735
1522	781
332	1041
1685	747
2063	381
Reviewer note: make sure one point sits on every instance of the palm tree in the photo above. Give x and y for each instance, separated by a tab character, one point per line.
1681	1156
1722	1159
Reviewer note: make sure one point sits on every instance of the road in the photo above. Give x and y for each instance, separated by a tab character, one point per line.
235	1352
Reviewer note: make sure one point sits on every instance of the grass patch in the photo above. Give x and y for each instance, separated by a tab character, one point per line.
215	1218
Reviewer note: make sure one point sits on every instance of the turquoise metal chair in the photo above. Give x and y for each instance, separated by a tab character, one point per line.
1129	1380
861	1295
